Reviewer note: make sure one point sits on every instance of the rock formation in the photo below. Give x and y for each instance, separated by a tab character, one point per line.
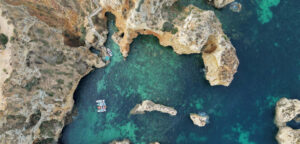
150	106
38	75
287	110
48	53
199	120
220	3
125	141
187	29
287	135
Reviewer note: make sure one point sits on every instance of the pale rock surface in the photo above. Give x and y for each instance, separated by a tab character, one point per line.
220	3
150	106
287	110
198	120
287	135
125	141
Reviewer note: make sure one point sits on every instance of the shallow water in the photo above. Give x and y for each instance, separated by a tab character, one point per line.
266	35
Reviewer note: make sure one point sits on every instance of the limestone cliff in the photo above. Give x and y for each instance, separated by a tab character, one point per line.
287	110
150	106
38	75
187	29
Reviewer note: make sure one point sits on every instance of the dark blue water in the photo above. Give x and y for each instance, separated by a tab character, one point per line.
266	35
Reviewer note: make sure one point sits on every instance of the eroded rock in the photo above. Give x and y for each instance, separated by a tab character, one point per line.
287	110
38	76
199	120
187	29
150	106
220	3
287	135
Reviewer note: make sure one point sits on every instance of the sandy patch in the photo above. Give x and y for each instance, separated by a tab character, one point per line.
5	55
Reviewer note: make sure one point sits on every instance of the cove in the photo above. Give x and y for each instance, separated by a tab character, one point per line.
239	114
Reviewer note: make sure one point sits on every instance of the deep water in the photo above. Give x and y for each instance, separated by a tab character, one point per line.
266	36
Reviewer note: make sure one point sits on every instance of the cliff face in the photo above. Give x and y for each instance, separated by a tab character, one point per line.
38	77
287	110
187	29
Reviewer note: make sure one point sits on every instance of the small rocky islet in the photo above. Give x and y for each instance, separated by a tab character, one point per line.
45	51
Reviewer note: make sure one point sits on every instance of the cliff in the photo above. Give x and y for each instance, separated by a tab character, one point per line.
150	106
287	110
187	29
38	75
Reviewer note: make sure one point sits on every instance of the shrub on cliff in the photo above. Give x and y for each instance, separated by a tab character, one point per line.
3	39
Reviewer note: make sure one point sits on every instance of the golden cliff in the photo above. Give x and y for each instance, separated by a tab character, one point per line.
187	29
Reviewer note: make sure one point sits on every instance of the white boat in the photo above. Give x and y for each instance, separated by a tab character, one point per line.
109	52
101	106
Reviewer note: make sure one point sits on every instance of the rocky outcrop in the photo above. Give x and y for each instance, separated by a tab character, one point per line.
150	106
287	135
38	75
287	110
125	141
199	120
187	29
220	3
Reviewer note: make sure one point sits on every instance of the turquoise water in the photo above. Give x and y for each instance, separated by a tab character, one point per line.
266	35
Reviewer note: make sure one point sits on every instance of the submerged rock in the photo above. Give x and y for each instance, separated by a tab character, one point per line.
187	29
220	3
235	7
287	110
199	120
150	106
125	141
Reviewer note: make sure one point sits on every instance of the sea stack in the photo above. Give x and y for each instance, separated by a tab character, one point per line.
199	120
150	106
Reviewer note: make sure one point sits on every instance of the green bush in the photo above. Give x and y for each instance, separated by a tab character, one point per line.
3	39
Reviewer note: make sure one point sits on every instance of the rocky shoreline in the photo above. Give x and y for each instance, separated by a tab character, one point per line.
48	52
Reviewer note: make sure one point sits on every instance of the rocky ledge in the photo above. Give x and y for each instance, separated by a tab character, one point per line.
187	29
219	3
150	106
287	110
